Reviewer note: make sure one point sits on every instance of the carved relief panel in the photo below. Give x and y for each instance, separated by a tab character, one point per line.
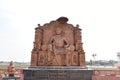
57	44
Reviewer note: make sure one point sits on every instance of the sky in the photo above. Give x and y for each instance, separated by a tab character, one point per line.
98	19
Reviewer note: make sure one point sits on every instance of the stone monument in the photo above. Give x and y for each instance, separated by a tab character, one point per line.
10	73
57	48
58	44
11	69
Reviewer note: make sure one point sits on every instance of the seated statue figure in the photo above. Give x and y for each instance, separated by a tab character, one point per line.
58	41
58	44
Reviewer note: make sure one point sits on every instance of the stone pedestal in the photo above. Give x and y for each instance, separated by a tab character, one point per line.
11	78
57	73
11	75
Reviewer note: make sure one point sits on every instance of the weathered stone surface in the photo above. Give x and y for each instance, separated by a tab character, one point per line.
11	69
58	53
58	44
57	73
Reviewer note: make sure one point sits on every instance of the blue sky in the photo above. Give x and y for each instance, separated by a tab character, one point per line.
99	20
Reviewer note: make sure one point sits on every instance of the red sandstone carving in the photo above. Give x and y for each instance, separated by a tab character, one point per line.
11	68
58	44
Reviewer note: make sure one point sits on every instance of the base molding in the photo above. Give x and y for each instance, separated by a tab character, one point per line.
57	73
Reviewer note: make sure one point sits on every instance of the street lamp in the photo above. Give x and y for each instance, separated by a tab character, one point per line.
118	55
118	64
94	55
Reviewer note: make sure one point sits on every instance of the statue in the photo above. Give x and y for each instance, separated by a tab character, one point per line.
58	44
58	53
58	41
11	69
42	55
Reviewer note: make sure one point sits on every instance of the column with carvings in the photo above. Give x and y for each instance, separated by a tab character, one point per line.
79	46
37	46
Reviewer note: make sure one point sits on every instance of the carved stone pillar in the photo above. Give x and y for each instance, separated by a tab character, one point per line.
34	58
74	59
82	59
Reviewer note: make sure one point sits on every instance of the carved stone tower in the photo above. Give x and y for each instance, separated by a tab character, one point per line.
58	44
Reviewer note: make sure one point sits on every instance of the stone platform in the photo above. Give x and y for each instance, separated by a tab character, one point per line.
57	73
11	78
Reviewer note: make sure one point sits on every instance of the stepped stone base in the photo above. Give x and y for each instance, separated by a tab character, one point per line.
57	73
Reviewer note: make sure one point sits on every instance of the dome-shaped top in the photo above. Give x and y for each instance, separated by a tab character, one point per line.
62	20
